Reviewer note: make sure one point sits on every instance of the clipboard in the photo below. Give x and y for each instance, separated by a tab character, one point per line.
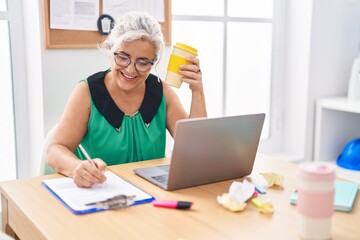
75	198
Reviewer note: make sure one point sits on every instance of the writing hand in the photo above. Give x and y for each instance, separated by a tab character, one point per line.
89	172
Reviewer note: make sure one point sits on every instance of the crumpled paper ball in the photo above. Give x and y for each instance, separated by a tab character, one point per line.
239	193
273	179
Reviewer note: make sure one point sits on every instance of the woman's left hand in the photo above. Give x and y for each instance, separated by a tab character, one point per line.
191	74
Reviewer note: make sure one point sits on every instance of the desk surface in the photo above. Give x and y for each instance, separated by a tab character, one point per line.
32	212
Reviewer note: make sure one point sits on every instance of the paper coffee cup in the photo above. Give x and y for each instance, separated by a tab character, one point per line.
177	58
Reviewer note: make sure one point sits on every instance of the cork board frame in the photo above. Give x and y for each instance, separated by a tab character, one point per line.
62	39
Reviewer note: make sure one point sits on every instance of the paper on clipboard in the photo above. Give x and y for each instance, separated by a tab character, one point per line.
76	198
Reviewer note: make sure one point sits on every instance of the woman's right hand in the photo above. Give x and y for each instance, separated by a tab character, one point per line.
87	173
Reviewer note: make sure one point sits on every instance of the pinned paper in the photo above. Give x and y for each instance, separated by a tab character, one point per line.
273	179
265	207
239	193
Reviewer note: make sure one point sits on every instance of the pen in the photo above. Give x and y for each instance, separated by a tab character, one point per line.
172	204
87	155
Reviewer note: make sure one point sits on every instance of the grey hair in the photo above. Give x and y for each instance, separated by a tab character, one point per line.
134	26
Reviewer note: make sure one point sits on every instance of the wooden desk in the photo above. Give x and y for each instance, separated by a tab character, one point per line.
31	212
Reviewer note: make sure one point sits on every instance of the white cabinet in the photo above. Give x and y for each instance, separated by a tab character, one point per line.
337	123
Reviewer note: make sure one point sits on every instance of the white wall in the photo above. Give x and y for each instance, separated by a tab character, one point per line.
298	41
322	38
62	69
27	84
33	36
335	38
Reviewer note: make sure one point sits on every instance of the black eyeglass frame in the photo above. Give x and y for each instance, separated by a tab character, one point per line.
136	61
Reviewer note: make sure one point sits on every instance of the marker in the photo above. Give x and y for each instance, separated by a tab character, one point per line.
172	204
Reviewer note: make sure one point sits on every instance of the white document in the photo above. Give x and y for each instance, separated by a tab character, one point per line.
74	14
76	198
116	8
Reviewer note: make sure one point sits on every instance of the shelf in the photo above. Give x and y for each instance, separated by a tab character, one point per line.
340	104
346	174
337	123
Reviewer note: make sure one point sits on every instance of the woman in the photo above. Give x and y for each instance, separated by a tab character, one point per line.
121	115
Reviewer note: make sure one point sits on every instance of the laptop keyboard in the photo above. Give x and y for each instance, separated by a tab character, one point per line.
161	178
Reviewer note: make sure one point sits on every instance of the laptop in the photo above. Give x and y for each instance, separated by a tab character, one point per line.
208	150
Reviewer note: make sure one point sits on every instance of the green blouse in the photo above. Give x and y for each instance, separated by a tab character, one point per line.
117	138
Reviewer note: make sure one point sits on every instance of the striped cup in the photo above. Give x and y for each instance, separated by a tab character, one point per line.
315	199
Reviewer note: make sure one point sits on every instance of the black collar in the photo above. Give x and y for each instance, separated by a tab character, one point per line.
107	107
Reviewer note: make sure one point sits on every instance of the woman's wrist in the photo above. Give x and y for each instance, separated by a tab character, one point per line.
73	168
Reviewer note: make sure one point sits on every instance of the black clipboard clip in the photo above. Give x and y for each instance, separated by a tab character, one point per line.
119	201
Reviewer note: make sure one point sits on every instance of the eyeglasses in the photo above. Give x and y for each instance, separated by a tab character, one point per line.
141	64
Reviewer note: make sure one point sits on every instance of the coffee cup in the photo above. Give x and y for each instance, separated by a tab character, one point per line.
178	57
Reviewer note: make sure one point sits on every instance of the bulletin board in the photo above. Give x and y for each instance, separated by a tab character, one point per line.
60	39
